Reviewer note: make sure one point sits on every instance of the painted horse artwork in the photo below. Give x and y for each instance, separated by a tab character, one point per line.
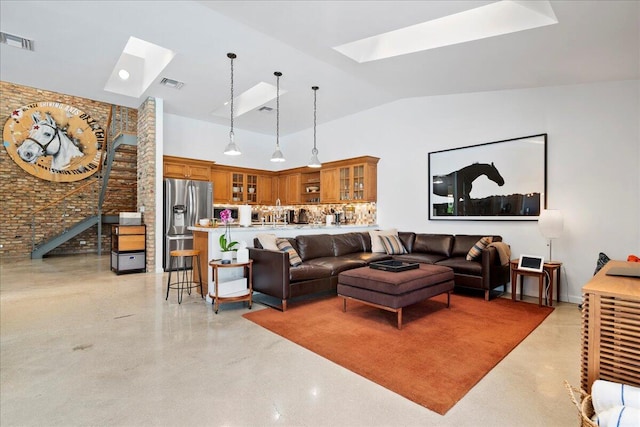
47	139
457	186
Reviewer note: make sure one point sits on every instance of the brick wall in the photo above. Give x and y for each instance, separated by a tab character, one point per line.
22	194
147	174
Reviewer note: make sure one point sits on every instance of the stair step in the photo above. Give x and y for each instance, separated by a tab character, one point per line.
117	168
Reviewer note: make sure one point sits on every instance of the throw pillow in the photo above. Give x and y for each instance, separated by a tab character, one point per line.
476	250
392	245
376	243
285	246
268	241
602	260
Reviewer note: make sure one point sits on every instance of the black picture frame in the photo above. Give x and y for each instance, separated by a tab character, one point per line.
495	181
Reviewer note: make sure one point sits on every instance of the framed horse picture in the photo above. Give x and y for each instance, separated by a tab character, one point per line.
501	180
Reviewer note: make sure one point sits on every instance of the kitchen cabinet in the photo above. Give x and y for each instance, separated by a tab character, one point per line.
183	168
353	180
244	188
310	187
239	186
265	190
221	186
330	185
289	189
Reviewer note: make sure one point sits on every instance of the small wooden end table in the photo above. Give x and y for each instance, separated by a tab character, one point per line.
550	270
238	295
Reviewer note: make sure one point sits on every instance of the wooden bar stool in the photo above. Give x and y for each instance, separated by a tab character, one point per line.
183	263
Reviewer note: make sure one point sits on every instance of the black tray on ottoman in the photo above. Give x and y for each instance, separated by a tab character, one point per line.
394	266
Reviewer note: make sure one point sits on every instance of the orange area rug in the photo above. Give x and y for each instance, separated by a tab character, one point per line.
437	357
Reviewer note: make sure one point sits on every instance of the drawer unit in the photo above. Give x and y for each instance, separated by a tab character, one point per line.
128	261
128	248
131	242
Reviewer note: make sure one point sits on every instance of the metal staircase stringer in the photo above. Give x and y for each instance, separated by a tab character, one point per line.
69	234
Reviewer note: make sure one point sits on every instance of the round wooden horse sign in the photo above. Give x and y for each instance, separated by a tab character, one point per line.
54	141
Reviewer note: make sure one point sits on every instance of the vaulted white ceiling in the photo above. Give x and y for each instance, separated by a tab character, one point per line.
77	45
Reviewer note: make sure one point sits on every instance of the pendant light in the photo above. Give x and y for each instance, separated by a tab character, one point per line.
314	162
277	155
232	148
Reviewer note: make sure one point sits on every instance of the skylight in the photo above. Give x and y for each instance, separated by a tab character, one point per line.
250	99
499	18
144	62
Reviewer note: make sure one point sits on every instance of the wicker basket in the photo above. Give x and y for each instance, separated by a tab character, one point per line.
585	407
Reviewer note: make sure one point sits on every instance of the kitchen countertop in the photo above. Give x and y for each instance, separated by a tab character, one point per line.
288	227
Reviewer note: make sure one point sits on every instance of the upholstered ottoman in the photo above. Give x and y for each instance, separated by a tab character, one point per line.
392	291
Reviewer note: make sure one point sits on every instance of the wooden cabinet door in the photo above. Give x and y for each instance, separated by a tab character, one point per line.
370	183
265	190
186	170
221	186
251	189
175	170
329	185
283	181
200	173
293	189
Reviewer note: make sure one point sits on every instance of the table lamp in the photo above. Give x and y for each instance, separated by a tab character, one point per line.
551	224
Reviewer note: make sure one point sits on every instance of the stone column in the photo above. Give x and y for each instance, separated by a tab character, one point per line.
147	174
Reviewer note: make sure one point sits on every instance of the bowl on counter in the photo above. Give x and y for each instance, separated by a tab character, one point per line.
204	222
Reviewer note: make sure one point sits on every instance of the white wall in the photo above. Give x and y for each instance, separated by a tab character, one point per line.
593	162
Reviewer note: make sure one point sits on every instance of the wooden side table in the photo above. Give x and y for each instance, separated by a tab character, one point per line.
220	296
550	270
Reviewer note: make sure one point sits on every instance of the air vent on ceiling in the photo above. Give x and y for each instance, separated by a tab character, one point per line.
265	109
16	41
171	83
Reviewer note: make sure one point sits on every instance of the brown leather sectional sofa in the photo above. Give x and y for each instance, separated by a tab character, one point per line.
324	256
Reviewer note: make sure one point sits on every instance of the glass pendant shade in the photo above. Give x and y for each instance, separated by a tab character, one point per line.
231	149
314	162
277	155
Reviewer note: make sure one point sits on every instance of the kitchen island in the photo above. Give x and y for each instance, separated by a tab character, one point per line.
206	240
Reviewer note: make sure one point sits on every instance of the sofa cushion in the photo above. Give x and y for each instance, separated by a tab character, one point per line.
407	238
419	257
476	250
336	264
268	241
347	243
463	243
285	246
308	272
315	246
392	245
376	243
367	257
461	266
436	244
366	240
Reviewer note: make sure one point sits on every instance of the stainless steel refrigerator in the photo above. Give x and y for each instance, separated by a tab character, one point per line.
185	202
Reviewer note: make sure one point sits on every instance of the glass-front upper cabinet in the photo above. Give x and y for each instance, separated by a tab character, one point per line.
345	183
237	187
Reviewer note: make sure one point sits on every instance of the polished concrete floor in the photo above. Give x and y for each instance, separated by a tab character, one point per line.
82	346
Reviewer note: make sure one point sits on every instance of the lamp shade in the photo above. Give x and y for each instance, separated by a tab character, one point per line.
551	223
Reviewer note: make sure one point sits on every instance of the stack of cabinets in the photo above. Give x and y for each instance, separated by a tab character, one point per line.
352	180
182	168
128	248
